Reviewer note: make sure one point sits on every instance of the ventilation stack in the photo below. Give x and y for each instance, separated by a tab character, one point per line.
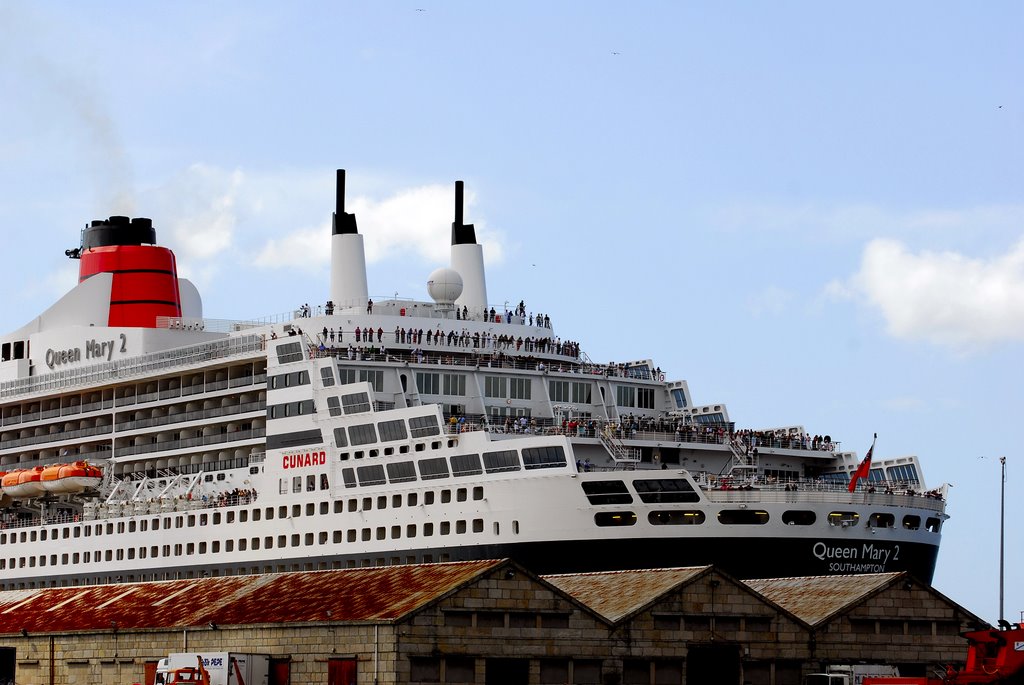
468	261
348	259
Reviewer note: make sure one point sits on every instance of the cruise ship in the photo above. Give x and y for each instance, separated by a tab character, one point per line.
141	441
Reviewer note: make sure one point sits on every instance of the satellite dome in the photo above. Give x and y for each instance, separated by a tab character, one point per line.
444	285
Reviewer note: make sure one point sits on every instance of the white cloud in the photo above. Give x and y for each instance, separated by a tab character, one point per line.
946	298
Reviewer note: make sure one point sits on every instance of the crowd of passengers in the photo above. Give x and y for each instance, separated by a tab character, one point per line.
228	498
631	426
490	315
330	340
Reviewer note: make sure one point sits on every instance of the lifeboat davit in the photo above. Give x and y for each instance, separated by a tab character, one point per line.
23	483
62	479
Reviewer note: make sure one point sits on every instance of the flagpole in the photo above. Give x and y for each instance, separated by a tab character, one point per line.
1002	528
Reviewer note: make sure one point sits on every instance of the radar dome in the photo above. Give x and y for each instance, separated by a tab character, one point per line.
444	285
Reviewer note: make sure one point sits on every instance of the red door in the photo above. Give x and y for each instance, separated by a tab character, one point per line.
341	672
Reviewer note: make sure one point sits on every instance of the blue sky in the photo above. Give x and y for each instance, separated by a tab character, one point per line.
812	212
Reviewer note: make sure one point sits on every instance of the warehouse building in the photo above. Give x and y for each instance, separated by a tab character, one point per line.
489	622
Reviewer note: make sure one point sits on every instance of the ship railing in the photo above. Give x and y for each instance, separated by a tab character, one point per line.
817	492
130	367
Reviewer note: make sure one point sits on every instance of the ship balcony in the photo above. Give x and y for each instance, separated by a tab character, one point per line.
189	443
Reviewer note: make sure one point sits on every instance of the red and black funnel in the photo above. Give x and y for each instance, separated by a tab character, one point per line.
145	283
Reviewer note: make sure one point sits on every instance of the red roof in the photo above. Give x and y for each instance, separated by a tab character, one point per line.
379	594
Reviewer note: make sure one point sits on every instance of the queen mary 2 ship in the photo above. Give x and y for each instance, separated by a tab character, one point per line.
142	441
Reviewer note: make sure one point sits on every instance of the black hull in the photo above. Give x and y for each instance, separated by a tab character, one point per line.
754	557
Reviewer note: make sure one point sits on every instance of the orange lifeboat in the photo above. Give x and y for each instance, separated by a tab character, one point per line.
67	478
24	483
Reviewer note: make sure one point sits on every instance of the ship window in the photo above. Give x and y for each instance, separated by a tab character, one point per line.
350	536
466	465
348	475
353	504
422	426
324	482
543	457
446	496
310	483
310	509
607	492
371	474
743	517
382	502
460	494
446	528
615	518
933	524
911	522
295	540
411	499
428	529
296	483
202	548
799	518
327	376
478	525
388	451
243	544
396	532
433	468
282	541
334	406
363	434
676	518
382	533
215	547
665	491
355	403
289	352
296	511
881	520
367	503
460	527
308	539
428	383
844	519
428	497
505	460
243	516
392	430
478	492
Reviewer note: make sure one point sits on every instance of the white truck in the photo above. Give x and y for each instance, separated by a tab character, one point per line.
213	668
853	674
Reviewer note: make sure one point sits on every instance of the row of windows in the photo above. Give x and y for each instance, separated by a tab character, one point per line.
283	511
389	431
300	408
351	535
289	380
457	465
657	491
753	517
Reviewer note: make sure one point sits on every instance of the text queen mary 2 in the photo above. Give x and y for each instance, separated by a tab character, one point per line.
141	441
